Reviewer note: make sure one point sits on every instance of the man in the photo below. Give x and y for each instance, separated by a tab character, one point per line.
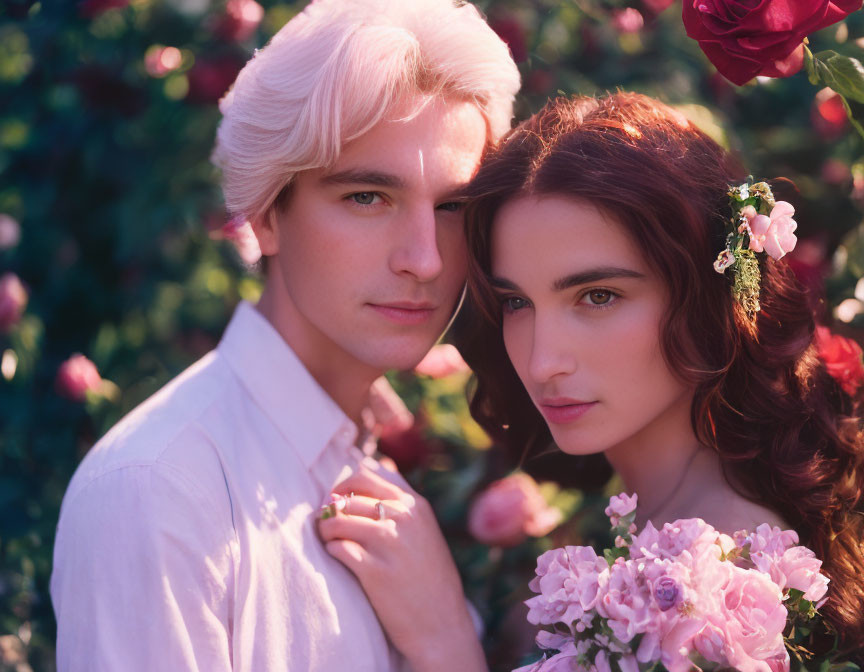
187	537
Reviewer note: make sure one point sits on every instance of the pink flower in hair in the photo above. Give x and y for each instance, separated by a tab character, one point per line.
773	234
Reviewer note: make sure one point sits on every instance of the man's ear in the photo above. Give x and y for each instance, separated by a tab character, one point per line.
266	228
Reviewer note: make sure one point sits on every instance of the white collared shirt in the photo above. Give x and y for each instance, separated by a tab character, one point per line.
187	536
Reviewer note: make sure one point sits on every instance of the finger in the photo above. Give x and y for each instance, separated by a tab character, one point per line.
373	484
365	531
388	464
369	507
390	412
349	553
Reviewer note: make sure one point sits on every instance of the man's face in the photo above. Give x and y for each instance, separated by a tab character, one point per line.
371	255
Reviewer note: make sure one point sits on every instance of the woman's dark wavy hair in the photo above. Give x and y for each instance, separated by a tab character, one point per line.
788	437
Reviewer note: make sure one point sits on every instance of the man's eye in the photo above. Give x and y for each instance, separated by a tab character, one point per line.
453	206
365	198
513	303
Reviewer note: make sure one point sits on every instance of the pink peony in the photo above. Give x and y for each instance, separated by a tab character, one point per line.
774	234
76	377
626	600
442	361
13	301
508	510
802	568
568	582
10	232
750	623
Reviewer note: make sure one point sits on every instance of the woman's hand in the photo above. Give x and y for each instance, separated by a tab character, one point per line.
387	535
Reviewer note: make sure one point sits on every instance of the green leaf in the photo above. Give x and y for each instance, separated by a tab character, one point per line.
855	112
842	73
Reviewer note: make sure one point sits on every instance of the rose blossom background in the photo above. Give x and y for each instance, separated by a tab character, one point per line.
114	274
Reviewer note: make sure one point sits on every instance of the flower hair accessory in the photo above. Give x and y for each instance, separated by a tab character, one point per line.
758	224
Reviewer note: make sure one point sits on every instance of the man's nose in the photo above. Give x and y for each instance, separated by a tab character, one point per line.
415	249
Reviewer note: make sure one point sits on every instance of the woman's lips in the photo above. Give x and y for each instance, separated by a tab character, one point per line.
404	313
561	412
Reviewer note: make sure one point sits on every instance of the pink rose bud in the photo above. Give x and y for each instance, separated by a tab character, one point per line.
774	234
13	300
10	232
240	20
627	20
442	361
77	376
620	506
509	510
159	60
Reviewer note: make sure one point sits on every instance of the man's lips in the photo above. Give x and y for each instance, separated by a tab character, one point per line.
404	312
561	410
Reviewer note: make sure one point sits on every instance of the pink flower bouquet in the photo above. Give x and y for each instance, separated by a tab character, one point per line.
682	597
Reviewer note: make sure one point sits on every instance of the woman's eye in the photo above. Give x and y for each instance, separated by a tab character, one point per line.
513	303
599	297
365	198
454	206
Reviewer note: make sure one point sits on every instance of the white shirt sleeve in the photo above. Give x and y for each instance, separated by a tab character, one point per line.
143	575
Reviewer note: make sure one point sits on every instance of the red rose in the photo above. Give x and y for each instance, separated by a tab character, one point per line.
210	79
746	38
510	30
843	358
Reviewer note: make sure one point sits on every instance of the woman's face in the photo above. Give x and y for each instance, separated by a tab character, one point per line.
582	315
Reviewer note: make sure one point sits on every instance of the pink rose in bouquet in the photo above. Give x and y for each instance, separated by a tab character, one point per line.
750	623
746	38
510	509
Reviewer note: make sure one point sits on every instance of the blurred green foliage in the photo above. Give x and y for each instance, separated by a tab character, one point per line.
104	146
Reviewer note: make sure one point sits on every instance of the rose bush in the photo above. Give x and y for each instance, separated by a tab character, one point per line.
747	38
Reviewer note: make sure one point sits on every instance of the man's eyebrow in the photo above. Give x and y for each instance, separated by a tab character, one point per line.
361	176
575	279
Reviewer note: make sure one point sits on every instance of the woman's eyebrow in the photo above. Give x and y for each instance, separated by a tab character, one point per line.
594	275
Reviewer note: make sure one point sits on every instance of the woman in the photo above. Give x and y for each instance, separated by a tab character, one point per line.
599	318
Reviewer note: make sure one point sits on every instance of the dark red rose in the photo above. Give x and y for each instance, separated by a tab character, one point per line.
209	79
511	31
92	8
408	449
843	358
746	38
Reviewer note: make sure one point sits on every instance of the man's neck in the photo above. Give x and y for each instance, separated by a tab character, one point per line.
345	379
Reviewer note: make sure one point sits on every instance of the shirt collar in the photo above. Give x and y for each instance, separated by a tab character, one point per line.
281	385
